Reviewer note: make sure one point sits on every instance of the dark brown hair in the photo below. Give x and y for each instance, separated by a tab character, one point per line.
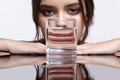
87	7
88	13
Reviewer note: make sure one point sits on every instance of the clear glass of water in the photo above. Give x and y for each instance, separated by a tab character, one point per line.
61	46
61	41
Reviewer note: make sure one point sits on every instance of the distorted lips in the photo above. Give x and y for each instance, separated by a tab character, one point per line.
61	70
60	36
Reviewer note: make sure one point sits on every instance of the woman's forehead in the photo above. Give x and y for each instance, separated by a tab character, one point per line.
58	2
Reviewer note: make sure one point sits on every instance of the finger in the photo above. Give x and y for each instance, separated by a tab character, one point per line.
111	61
118	54
4	53
41	48
35	48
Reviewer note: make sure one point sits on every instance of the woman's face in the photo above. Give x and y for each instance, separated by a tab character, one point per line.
61	9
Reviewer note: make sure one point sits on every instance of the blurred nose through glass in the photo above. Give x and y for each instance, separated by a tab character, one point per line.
61	46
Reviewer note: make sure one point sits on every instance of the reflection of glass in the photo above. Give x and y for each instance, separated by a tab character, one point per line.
60	40
61	46
61	72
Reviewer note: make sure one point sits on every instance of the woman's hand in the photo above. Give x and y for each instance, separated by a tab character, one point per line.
8	47
102	53
106	47
21	47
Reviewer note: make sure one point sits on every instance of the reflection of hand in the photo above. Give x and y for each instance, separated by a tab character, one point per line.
100	53
107	60
21	60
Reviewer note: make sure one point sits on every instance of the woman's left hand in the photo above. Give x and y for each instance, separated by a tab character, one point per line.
102	53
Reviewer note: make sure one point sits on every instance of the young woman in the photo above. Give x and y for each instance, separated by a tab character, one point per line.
82	11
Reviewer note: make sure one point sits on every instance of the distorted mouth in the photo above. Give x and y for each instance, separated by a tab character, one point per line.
59	36
61	70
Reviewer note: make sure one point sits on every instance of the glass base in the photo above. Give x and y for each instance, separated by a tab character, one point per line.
60	56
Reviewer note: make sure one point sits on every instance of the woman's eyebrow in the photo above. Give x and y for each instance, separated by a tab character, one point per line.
46	6
72	4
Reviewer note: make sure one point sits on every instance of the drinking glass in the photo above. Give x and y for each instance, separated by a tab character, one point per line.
61	41
61	46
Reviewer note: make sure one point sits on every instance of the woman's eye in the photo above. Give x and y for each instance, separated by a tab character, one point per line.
48	12
73	11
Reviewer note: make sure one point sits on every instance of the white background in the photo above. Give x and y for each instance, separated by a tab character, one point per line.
16	23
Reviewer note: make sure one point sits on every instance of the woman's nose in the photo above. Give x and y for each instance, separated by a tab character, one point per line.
61	15
61	23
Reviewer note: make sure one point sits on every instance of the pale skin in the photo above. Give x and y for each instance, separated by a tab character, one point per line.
67	9
20	60
104	53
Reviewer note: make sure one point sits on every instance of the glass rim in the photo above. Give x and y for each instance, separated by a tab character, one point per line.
59	19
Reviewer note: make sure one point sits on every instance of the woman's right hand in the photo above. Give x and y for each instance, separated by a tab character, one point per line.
21	47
